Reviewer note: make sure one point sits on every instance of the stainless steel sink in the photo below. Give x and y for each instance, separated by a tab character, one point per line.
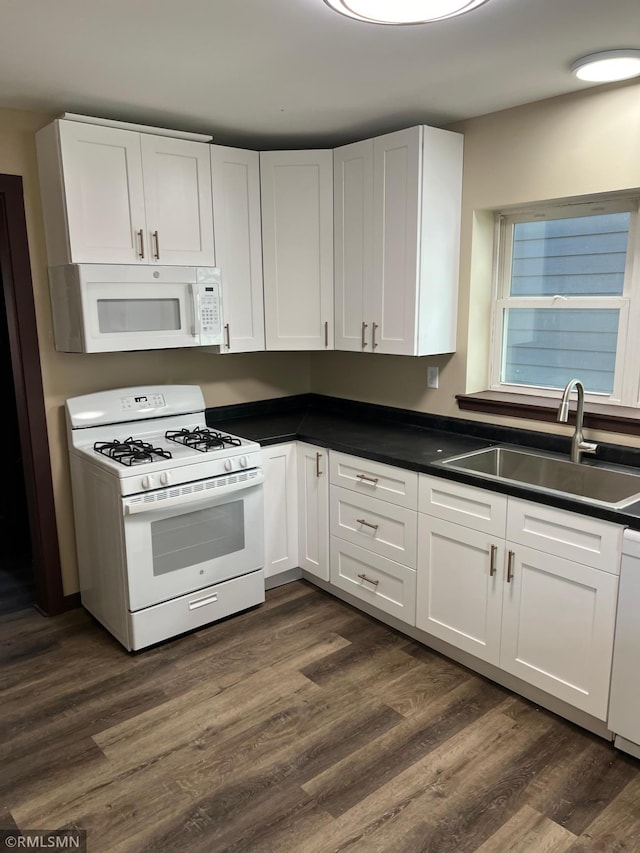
544	472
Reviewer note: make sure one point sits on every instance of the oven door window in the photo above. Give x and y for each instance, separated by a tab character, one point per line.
197	537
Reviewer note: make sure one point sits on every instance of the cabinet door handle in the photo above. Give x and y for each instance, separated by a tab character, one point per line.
512	556
227	334
373	480
326	334
156	242
374	326
141	239
367	523
369	580
318	458
365	326
492	563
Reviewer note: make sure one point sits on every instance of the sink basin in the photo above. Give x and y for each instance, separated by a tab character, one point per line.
604	486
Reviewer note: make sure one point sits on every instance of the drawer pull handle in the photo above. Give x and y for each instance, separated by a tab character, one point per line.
367	523
318	458
492	564
369	580
512	555
373	480
202	602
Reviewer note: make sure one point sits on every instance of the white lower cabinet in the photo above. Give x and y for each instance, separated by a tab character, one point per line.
313	510
280	508
534	613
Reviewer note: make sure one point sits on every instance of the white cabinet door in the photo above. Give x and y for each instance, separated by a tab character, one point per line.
280	508
313	510
177	189
353	225
396	199
235	180
297	237
459	586
558	626
103	191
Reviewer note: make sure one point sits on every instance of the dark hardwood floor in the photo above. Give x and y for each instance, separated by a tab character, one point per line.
302	725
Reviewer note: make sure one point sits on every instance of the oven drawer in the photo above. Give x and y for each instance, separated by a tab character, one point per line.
375	479
386	529
187	612
380	582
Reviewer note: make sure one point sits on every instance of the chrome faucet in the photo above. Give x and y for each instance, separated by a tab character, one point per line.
578	444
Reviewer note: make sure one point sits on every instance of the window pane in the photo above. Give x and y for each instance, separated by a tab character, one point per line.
549	346
581	256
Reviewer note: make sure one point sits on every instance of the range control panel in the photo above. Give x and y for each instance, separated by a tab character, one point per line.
142	402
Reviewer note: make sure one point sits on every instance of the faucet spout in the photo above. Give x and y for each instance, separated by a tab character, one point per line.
578	444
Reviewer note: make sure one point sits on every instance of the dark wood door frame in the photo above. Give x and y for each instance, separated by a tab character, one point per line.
15	269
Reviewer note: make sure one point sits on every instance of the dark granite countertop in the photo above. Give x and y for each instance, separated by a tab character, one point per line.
355	429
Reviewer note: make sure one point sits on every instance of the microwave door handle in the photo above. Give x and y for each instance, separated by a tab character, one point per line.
195	307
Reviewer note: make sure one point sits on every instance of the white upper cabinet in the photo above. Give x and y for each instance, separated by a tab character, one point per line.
112	195
397	235
235	178
297	237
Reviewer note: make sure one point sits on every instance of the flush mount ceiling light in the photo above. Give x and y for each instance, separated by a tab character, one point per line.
402	11
606	66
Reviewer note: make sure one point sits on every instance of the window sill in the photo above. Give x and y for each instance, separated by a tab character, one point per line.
598	416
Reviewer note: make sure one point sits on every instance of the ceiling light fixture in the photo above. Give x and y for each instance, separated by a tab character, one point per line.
607	66
402	11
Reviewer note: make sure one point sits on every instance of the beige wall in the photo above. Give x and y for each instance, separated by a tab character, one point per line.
224	379
564	147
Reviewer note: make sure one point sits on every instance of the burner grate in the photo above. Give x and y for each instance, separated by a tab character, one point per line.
131	451
202	439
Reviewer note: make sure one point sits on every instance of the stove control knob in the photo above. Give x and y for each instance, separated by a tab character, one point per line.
146	482
165	478
243	461
228	465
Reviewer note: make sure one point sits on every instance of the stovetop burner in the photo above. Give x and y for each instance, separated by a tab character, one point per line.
202	439
131	451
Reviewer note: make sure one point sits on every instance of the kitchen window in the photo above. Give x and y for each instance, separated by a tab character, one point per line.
568	301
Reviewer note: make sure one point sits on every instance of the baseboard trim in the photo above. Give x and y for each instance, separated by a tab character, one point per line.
282	578
70	602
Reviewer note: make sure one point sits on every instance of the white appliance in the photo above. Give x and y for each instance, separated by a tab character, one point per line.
110	307
168	513
624	701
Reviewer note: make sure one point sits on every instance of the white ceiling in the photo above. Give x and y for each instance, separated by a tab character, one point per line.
293	73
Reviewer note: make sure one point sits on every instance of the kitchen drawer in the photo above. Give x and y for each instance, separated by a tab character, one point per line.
384	528
479	509
380	582
566	534
375	479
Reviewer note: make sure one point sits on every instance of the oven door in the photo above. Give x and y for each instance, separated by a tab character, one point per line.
183	539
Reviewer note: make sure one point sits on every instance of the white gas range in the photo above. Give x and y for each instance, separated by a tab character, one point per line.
168	512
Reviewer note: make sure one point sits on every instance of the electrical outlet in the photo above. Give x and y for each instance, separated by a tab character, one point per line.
432	376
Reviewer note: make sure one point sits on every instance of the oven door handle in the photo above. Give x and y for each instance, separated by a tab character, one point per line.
161	499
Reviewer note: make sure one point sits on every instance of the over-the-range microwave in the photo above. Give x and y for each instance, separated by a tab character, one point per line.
109	307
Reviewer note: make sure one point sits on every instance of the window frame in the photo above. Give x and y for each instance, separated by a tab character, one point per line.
626	389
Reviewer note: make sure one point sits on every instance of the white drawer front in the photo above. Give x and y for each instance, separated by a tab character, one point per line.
469	506
375	479
381	582
566	534
386	529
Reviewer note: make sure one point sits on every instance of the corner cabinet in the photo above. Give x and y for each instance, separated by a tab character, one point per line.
397	206
279	462
313	510
297	246
113	195
235	181
526	587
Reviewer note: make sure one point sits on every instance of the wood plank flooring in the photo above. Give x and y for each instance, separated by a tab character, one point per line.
302	726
